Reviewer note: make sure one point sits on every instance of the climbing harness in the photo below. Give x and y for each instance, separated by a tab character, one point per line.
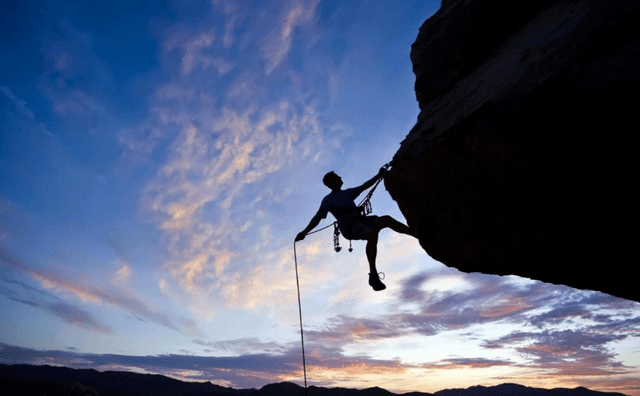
364	208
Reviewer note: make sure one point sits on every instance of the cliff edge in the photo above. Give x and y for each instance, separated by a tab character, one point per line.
522	159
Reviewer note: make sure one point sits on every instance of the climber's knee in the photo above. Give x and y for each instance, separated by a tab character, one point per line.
385	221
370	234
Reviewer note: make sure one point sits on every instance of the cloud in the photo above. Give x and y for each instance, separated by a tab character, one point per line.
278	43
19	104
244	346
67	312
28	288
579	305
75	77
448	299
233	149
96	295
123	273
192	55
74	315
262	283
342	330
568	352
462	363
625	385
230	9
228	37
199	191
483	299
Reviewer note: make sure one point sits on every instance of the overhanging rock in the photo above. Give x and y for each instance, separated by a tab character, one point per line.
523	159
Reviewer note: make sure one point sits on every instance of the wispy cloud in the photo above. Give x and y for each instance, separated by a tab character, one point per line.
231	9
19	104
195	55
231	152
95	295
199	192
74	315
243	346
566	352
123	273
52	304
464	363
342	330
68	56
278	43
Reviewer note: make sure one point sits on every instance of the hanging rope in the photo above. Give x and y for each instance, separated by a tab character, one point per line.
304	363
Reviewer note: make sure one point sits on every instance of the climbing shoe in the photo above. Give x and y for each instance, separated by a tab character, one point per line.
374	281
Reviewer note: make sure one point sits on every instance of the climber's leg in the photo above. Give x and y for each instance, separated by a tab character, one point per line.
390	222
371	236
372	250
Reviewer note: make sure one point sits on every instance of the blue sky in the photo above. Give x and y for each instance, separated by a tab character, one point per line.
157	160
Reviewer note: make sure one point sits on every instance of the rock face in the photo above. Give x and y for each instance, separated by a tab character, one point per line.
522	160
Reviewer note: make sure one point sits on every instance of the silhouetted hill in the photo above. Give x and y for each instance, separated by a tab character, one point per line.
519	390
27	380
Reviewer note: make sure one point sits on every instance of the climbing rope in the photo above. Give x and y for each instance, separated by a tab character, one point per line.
365	208
304	363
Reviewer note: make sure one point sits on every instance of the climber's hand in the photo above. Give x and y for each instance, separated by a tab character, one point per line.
382	172
300	236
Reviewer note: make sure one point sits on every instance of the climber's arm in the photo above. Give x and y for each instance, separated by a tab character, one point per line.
369	183
312	224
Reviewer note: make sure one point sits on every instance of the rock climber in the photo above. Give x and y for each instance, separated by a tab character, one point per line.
352	223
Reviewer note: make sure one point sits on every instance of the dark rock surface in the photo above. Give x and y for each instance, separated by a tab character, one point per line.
27	380
522	161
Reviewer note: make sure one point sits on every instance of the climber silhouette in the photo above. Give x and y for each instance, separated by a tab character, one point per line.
352	223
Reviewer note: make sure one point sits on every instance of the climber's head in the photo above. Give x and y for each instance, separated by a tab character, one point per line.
333	181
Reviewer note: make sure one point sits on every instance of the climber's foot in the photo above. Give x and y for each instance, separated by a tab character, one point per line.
374	281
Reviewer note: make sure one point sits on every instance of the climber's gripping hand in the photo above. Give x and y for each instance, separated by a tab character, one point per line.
300	236
382	172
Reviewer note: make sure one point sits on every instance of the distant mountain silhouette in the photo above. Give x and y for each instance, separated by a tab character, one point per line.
519	390
27	380
30	380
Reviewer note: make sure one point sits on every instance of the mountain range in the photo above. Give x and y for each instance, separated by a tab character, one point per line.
28	380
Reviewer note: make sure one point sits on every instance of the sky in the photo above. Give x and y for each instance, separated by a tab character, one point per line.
157	159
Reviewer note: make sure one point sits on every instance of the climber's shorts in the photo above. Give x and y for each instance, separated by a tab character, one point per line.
354	228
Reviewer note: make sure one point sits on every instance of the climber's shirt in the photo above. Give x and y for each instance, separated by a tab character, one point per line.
340	203
342	206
